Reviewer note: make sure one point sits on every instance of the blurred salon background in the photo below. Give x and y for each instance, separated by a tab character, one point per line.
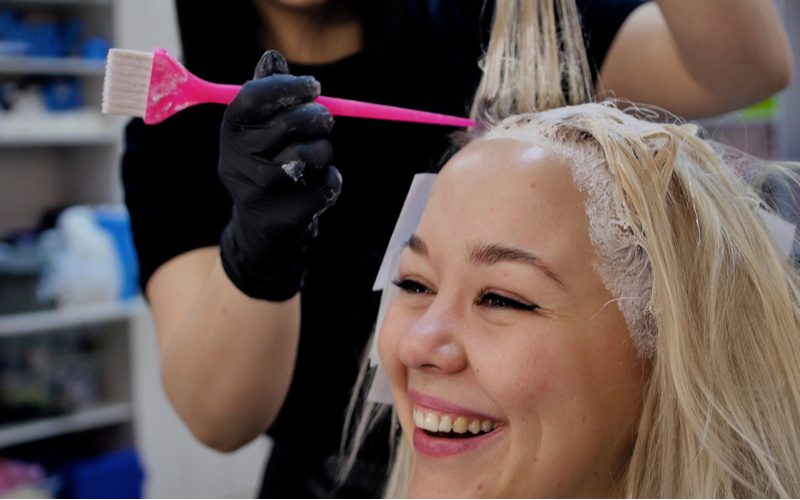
82	410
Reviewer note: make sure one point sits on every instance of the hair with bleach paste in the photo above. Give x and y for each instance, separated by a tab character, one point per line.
536	46
721	411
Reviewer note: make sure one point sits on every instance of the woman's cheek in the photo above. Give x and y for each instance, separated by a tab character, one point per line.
527	376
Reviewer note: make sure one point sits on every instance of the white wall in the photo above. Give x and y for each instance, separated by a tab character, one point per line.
145	24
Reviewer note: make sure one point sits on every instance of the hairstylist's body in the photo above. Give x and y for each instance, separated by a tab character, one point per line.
221	306
233	364
698	59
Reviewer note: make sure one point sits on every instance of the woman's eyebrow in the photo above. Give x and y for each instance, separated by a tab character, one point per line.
416	245
488	254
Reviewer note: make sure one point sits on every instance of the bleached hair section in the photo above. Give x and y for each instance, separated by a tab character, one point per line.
622	262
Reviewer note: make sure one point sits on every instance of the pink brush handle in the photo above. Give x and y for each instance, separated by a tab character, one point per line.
173	88
357	109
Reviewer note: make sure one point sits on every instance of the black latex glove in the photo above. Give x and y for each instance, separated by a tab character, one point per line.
274	161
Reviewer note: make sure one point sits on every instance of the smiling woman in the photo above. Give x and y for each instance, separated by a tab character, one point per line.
592	305
529	368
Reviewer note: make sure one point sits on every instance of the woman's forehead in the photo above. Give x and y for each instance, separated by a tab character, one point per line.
504	172
507	192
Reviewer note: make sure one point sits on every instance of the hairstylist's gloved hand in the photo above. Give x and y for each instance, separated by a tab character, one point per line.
274	161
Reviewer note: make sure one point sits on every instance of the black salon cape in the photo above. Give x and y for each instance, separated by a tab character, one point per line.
418	54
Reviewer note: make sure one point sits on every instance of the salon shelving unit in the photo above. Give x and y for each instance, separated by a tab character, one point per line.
105	415
108	416
76	128
72	66
107	326
39	322
54	3
63	158
85	127
50	164
58	159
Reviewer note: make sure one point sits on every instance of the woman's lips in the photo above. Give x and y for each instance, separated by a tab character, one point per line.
432	445
443	406
443	429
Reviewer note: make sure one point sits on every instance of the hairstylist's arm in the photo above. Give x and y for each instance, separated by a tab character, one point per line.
699	57
228	336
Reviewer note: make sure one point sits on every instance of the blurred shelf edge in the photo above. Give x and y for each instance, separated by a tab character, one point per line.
77	66
34	430
58	319
71	128
75	138
30	3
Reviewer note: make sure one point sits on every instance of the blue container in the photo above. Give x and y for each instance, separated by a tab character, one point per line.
10	23
95	48
113	475
62	94
117	222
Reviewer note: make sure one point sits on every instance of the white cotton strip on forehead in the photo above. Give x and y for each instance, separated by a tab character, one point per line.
407	222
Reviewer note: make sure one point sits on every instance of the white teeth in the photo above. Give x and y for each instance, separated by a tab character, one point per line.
431	422
419	420
446	423
460	425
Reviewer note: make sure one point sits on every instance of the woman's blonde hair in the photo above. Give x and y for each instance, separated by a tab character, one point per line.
721	402
535	60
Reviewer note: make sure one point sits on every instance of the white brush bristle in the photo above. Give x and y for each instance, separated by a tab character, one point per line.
127	82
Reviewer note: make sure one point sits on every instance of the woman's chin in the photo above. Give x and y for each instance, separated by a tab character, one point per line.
429	486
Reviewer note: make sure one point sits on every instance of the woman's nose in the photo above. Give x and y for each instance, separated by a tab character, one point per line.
432	343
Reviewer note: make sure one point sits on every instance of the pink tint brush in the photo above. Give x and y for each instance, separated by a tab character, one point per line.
155	86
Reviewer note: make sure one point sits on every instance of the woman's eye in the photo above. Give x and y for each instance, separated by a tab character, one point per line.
497	301
411	286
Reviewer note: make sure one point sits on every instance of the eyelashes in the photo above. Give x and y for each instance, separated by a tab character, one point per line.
411	286
498	301
490	300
